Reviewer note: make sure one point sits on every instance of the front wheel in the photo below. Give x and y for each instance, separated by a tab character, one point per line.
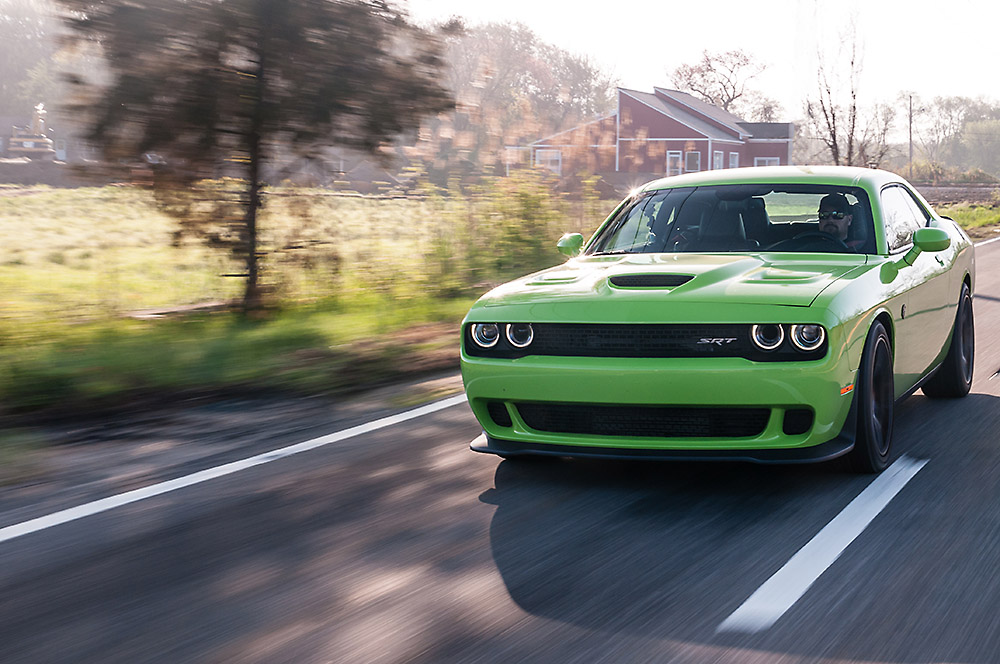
954	377
875	404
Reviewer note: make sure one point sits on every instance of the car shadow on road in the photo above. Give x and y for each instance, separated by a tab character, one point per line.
669	550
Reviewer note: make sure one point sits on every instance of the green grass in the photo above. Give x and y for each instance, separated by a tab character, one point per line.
971	216
316	349
350	282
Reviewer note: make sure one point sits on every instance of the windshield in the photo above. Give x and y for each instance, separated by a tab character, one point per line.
742	218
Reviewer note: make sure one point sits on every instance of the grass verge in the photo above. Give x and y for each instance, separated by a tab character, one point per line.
979	221
319	349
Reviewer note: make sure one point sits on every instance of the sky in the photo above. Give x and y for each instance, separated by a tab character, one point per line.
928	48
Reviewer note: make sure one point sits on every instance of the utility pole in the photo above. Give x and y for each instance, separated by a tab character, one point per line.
911	137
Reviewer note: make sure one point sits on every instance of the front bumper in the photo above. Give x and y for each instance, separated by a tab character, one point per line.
816	386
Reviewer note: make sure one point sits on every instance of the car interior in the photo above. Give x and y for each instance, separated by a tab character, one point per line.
735	219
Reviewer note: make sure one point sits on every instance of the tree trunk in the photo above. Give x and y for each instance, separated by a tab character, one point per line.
252	299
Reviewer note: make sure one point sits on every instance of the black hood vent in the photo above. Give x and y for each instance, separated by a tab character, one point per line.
650	280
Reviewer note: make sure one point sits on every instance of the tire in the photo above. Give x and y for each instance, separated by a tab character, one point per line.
876	398
953	378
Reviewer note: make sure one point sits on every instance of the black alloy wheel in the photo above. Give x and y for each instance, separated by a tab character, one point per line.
954	377
876	398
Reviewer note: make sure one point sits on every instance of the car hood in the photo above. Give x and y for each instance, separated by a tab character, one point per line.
760	278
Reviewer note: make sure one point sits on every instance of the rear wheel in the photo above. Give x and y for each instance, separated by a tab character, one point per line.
954	378
876	398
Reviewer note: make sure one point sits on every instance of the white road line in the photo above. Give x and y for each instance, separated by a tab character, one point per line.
979	244
73	513
763	608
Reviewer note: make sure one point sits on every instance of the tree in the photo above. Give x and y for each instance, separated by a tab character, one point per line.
207	88
511	86
851	135
719	78
27	44
836	123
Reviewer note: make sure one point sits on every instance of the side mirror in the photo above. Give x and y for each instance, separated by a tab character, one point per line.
931	239
571	244
924	239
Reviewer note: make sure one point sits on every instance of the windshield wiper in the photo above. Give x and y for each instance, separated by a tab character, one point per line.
616	252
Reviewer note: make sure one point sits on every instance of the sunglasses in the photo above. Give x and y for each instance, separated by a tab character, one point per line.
832	215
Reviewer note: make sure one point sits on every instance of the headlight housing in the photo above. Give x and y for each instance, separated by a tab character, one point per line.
808	337
486	335
520	334
767	336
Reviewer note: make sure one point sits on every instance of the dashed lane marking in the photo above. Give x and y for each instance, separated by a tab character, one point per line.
763	608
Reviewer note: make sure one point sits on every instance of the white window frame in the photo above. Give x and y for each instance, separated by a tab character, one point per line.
767	161
687	158
717	157
680	162
550	159
734	160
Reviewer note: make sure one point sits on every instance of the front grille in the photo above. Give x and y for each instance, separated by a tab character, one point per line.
650	280
641	340
645	421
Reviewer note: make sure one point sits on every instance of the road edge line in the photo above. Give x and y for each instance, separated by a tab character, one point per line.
104	504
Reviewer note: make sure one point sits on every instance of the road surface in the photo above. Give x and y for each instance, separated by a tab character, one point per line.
395	543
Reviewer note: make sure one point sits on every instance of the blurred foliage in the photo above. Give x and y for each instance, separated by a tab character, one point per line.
511	88
203	89
934	172
99	296
27	44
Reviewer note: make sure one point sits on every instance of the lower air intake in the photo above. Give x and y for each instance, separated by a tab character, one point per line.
645	421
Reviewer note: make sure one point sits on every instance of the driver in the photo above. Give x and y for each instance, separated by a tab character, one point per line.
835	216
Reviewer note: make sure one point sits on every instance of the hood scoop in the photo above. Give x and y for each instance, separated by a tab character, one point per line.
649	280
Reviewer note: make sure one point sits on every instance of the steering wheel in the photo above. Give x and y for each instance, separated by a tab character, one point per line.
804	241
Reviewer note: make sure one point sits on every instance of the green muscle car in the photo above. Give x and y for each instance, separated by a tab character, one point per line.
770	314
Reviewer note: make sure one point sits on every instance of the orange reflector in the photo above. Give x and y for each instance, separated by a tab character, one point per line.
847	390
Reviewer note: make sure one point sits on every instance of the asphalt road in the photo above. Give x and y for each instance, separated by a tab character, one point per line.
400	545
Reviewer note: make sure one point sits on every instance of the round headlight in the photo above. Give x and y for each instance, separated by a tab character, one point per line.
519	334
486	334
768	336
808	337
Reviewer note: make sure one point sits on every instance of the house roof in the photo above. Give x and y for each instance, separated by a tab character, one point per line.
582	124
681	115
769	129
721	116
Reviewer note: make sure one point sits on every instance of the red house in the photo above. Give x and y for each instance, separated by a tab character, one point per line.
666	132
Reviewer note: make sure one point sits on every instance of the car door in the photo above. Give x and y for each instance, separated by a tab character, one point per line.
937	304
923	329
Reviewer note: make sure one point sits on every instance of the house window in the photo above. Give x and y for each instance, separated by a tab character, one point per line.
673	162
550	159
734	160
692	161
766	161
717	159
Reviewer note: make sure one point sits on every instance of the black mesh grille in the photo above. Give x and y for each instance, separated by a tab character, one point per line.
498	413
797	421
650	280
646	421
642	340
